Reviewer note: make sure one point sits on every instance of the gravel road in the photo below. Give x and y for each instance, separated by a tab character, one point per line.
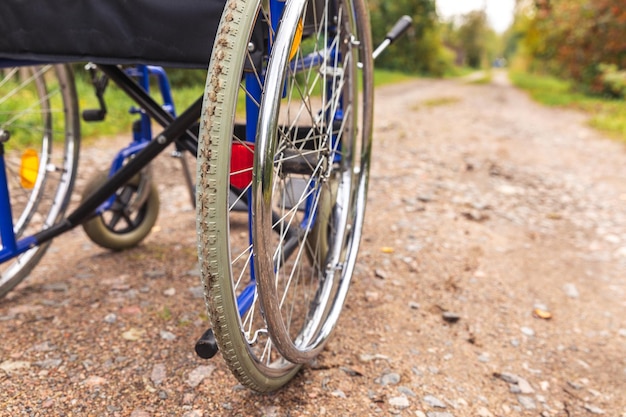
491	282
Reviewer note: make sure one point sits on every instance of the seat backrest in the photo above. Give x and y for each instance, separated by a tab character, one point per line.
161	32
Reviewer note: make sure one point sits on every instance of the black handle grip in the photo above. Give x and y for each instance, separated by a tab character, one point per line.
94	115
399	28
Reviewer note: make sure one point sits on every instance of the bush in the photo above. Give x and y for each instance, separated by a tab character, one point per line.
613	80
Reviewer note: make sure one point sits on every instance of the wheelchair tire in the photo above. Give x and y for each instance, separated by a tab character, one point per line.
305	149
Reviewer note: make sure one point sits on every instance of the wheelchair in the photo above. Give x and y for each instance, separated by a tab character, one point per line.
282	134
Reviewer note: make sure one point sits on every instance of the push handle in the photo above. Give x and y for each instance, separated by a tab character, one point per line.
396	31
399	28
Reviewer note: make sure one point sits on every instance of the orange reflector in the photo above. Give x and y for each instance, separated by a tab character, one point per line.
241	161
29	168
296	40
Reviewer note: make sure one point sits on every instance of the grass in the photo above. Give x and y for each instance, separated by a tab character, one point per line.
480	77
385	77
606	114
119	120
165	313
118	103
456	71
435	102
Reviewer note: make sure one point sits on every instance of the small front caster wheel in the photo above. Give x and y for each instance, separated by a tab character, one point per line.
131	217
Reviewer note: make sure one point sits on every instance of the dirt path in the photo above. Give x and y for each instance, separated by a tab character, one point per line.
486	213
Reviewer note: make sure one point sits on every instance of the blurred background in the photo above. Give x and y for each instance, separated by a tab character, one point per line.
564	52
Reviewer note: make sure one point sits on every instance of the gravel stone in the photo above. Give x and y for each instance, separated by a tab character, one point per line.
157	273
406	391
56	287
527	402
197	292
10	366
94	380
110	318
194	413
593	409
553	194
49	363
451	317
158	374
196	376
438	414
400	402
483	412
571	291
434	401
484	357
390	379
338	393
167	335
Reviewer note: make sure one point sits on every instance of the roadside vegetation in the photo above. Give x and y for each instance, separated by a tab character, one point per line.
570	53
564	52
606	113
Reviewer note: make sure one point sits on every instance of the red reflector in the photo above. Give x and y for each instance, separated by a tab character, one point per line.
241	161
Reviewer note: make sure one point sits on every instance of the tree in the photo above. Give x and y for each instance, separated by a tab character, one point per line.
420	50
473	37
578	39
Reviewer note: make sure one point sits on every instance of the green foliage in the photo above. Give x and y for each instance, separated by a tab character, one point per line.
576	39
613	80
185	92
481	78
472	37
607	115
384	77
117	119
547	90
186	77
473	42
420	50
185	89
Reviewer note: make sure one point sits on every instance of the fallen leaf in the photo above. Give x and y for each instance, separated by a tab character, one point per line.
133	334
542	314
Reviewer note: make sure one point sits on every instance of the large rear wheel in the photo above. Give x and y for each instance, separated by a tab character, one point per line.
302	185
40	127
